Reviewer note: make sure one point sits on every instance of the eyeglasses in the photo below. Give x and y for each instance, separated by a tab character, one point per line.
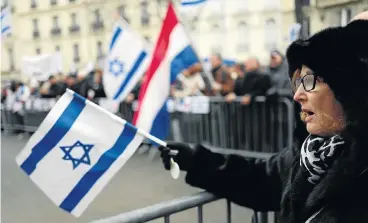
308	81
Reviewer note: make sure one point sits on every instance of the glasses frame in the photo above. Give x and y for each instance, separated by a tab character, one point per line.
315	79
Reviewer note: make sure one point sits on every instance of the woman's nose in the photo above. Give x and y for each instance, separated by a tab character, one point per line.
300	94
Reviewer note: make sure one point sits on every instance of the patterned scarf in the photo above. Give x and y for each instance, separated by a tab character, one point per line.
318	154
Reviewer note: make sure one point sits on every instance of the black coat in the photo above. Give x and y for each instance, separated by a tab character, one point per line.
253	83
276	184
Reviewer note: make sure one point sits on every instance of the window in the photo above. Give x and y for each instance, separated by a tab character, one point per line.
145	17
243	36
122	12
97	24
74	19
36	33
57	48
53	2
55	21
11	59
33	4
76	53
345	16
99	50
270	34
38	51
97	15
35	25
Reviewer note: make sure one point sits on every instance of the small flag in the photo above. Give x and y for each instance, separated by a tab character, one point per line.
76	151
173	53
126	62
5	20
191	8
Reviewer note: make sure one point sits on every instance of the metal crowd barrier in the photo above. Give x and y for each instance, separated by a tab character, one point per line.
167	208
263	126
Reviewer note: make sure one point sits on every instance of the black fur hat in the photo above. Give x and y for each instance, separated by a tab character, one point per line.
340	56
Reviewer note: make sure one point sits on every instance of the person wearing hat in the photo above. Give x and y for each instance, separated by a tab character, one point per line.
324	176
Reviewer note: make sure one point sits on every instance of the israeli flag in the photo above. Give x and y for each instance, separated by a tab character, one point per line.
126	62
76	151
5	20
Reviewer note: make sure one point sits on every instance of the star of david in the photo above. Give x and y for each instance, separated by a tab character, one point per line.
116	67
77	147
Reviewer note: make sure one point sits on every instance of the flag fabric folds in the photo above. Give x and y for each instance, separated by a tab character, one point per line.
172	54
126	62
76	151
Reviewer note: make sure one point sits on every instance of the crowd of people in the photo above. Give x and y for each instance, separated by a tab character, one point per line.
245	79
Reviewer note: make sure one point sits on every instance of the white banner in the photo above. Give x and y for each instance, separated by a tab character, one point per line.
42	66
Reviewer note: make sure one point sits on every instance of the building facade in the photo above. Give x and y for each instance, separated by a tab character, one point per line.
81	29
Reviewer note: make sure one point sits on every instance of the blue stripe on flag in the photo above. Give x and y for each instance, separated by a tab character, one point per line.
6	28
102	165
130	74
183	60
56	133
161	124
186	3
115	37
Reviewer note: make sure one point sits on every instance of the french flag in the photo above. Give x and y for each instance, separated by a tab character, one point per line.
173	53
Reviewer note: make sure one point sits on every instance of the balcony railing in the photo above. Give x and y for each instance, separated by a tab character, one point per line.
97	25
56	32
74	29
36	34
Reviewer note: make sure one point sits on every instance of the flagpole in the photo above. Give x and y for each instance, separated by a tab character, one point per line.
209	76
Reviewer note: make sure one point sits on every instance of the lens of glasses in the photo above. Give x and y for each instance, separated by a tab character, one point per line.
297	83
308	82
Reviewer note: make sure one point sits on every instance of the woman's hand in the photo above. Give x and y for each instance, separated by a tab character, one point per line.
182	154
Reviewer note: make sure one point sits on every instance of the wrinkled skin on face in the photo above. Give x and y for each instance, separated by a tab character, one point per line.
321	112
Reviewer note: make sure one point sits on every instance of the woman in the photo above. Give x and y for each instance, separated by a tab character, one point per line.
324	178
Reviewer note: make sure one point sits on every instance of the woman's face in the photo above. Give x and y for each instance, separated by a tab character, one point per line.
321	112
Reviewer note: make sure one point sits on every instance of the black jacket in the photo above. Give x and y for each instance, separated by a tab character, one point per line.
254	83
276	184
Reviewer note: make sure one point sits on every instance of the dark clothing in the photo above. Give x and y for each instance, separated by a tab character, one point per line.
278	184
73	88
253	83
222	77
54	91
89	84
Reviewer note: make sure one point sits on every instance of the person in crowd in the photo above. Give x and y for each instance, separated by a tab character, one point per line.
278	70
223	82
92	87
189	83
69	83
22	94
250	82
323	177
51	88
